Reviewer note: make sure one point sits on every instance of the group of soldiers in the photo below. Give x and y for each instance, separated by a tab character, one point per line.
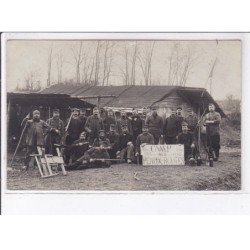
101	138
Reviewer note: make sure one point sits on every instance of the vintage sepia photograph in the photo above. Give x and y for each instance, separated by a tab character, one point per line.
123	114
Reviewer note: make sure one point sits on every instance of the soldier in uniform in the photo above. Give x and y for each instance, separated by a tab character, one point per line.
155	125
74	130
98	155
179	119
35	131
55	134
187	139
93	125
171	129
136	123
192	120
107	121
113	137
144	116
124	121
126	147
143	139
212	122
83	118
79	147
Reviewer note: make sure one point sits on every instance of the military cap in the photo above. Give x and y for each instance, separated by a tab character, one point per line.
101	131
153	108
145	126
179	108
184	124
83	133
211	104
189	109
36	112
55	111
83	109
75	109
112	125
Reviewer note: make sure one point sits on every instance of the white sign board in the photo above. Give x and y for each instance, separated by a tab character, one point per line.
155	155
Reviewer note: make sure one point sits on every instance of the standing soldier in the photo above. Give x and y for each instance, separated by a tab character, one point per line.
143	139
155	125
55	134
180	119
124	121
136	123
144	116
93	125
212	122
35	131
192	121
83	118
107	121
73	131
113	137
170	128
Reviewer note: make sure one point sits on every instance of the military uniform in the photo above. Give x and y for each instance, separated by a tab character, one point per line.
143	138
107	121
99	151
179	120
74	131
213	132
35	132
192	121
155	126
113	137
136	123
187	139
78	148
126	149
124	121
170	129
93	125
54	136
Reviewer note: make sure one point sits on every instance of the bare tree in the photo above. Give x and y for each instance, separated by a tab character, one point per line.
145	59
97	62
133	64
107	61
49	63
59	66
181	62
128	70
78	58
32	81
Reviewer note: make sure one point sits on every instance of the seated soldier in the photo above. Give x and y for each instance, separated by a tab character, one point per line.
96	156
113	137
190	150
126	147
143	139
79	147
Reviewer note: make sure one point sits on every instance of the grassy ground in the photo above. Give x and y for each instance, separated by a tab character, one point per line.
225	175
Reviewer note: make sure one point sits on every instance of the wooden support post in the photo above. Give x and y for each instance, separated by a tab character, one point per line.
199	128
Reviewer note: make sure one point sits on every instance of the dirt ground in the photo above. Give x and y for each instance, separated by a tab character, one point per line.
225	175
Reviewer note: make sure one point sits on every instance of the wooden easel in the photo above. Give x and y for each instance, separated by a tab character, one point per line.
47	164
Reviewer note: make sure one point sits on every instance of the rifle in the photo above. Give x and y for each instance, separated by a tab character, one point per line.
19	142
66	129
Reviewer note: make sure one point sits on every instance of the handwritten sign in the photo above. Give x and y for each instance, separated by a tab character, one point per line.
155	155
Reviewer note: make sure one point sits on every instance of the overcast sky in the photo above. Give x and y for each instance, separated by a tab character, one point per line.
26	56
